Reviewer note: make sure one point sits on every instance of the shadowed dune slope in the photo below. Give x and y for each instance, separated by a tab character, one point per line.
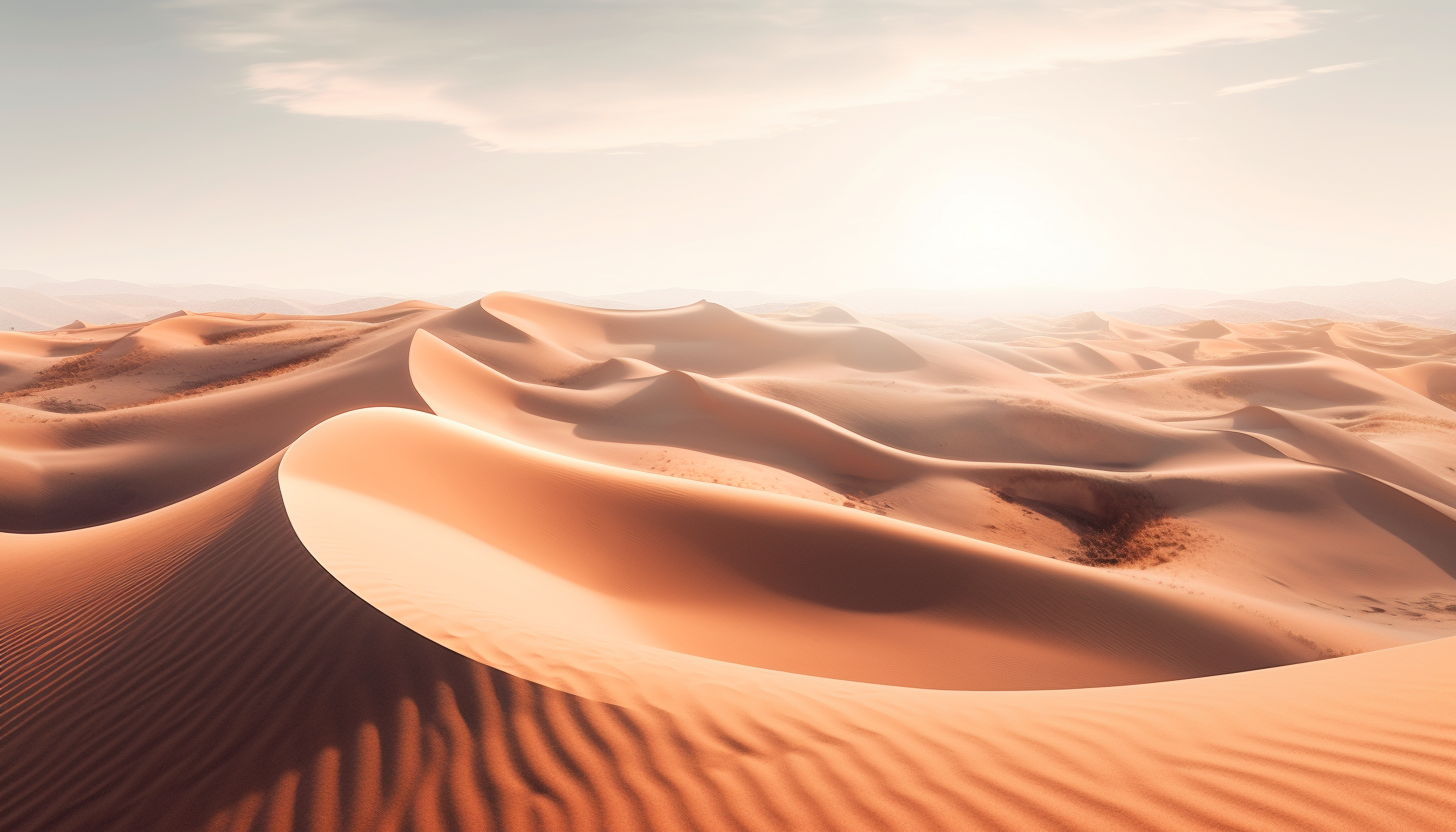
108	422
1248	750
749	577
195	668
528	566
1346	542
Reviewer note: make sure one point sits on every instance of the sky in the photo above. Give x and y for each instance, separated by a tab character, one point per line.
809	148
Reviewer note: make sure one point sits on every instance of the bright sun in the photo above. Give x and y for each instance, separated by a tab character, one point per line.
990	227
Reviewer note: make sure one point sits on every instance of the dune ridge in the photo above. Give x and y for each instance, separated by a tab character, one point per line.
523	565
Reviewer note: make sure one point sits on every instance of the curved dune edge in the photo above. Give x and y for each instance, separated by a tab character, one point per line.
425	517
1350	743
1305	530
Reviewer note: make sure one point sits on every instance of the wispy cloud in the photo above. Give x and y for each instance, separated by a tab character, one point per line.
1279	82
597	74
1340	67
1259	85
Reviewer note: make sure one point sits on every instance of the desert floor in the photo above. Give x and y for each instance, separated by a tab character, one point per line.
523	565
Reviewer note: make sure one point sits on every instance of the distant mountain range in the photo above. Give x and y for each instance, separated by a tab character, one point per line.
32	301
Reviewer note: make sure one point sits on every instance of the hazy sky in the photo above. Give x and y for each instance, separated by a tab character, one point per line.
603	145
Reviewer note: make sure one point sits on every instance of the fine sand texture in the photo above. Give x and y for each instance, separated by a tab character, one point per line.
528	566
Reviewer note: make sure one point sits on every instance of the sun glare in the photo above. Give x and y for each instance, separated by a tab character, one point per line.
974	225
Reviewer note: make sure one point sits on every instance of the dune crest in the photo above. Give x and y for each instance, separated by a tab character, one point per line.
523	565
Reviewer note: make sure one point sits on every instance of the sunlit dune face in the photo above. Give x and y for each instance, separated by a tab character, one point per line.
973	222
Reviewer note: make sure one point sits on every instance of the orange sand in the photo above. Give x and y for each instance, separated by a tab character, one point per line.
523	565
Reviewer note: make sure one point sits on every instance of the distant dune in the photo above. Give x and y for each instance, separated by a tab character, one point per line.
34	302
525	565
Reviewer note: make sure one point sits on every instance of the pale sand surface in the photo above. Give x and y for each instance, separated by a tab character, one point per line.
522	565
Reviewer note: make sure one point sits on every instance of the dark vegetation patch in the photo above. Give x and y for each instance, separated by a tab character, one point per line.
1223	386
872	506
314	339
193	388
87	367
227	336
93	366
67	406
1437	607
1117	524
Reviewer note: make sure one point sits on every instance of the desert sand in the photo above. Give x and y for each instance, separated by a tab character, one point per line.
529	566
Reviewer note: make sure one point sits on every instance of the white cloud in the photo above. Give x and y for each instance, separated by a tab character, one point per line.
597	74
1341	67
1279	82
1259	85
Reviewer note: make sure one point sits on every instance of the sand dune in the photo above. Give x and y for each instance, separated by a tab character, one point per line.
107	422
523	565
